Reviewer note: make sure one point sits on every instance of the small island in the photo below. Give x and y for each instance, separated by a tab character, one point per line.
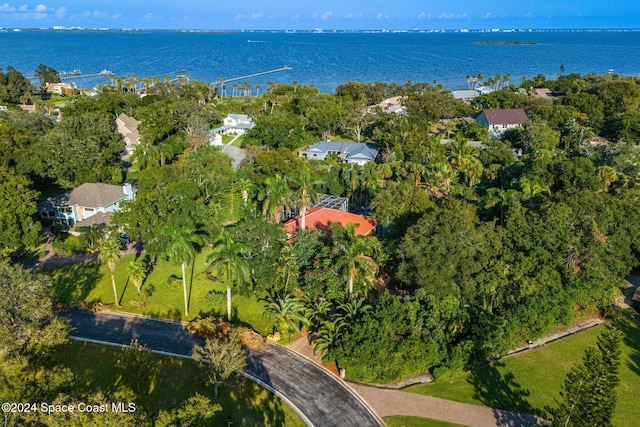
503	42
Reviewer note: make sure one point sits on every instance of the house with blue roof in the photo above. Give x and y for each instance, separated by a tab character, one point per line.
348	152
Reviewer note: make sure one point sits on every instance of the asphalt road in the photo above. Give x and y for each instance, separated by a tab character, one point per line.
316	394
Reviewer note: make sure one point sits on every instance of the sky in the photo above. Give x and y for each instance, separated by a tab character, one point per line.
322	14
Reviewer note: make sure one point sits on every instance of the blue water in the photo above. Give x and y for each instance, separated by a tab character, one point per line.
325	60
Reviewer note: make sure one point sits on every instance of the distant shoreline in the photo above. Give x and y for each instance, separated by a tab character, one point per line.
504	42
320	31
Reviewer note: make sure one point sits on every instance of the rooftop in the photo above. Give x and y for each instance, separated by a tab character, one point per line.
322	218
509	116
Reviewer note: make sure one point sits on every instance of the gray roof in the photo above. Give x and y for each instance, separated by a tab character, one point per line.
353	150
100	218
91	195
240	117
465	94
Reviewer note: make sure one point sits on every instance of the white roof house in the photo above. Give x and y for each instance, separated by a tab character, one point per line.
236	124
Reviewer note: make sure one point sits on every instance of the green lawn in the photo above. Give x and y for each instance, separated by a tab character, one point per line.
532	380
90	282
417	422
246	403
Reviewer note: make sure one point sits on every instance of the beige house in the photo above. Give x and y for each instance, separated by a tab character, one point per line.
60	88
128	129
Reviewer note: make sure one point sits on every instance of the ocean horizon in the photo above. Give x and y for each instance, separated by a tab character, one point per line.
325	59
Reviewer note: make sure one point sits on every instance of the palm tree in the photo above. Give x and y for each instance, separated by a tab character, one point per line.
287	267
137	272
352	309
306	193
277	197
355	253
110	255
501	198
181	249
227	261
286	311
328	334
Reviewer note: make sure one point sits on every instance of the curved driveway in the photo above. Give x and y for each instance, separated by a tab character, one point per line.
317	395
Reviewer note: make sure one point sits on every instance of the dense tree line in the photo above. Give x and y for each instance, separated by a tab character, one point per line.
479	250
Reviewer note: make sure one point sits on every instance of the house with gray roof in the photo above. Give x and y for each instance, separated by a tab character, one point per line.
78	206
347	152
499	121
236	124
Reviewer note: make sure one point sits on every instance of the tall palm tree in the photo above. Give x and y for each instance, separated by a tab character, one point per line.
110	255
306	192
182	251
277	196
355	253
227	261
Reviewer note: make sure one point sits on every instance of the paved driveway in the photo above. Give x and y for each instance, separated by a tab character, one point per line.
317	395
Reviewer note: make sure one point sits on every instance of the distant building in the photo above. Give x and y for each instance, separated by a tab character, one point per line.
237	124
499	121
393	105
348	152
76	207
466	95
60	88
128	129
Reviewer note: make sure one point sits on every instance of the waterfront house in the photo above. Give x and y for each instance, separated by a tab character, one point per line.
128	129
499	121
66	89
347	152
237	124
79	206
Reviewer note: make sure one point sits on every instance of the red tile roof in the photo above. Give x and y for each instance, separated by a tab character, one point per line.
321	218
510	116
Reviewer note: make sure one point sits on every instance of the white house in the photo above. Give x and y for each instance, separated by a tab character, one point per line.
348	152
236	124
499	121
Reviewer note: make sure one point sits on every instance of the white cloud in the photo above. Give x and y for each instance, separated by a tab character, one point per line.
151	17
295	17
446	16
6	7
327	15
40	8
256	16
23	8
61	12
488	15
424	15
94	14
353	15
116	16
381	16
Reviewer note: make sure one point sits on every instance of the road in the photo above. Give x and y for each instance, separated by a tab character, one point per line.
317	395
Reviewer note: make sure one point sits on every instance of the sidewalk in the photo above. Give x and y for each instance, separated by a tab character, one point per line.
386	401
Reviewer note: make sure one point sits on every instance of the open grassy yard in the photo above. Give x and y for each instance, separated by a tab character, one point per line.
530	381
245	403
91	282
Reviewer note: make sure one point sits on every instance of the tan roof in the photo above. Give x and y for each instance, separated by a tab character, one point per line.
129	122
509	116
91	195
